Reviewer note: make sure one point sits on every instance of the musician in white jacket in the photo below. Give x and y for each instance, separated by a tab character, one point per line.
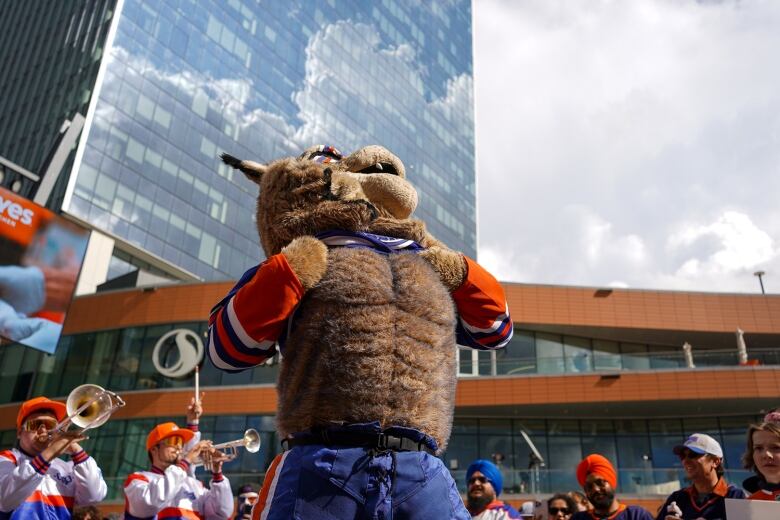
34	482
169	489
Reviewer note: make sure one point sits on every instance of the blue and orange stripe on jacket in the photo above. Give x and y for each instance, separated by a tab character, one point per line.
38	505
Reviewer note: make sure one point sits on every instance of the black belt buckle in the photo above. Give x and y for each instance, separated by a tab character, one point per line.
374	441
395	443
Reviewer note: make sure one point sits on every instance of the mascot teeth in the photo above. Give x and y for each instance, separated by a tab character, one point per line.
380	167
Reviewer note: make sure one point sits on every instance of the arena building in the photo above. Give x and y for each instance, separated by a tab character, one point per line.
588	370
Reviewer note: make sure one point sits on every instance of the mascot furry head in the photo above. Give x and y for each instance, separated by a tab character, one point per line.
373	338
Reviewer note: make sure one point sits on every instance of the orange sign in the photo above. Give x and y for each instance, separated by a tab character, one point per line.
20	218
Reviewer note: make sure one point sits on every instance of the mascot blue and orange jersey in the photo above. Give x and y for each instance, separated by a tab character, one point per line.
245	326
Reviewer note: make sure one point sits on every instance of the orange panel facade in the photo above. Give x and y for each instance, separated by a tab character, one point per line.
534	304
742	383
166	304
643	309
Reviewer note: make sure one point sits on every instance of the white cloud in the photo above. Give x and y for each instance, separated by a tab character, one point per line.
605	130
601	244
460	94
336	103
502	261
741	246
346	104
333	102
580	244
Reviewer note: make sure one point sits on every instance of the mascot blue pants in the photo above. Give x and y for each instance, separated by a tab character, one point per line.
333	481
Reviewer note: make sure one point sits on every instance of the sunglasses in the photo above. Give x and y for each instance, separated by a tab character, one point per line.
33	425
481	480
173	441
556	510
692	455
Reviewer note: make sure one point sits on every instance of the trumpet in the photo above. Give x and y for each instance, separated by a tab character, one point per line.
88	406
229	450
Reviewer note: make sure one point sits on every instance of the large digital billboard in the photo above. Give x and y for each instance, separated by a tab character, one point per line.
40	259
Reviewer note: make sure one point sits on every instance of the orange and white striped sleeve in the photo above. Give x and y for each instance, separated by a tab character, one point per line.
483	313
245	325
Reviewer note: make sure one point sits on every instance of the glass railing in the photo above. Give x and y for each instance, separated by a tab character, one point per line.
501	364
649	482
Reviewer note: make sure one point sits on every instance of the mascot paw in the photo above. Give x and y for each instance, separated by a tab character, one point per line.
450	265
308	258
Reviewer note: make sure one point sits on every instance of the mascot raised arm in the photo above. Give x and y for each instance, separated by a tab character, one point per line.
366	308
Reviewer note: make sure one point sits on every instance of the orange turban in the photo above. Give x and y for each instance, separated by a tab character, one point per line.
598	465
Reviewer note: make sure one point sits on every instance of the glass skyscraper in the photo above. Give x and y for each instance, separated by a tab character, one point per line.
50	54
184	80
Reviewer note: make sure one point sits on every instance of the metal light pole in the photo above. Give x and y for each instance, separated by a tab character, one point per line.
760	274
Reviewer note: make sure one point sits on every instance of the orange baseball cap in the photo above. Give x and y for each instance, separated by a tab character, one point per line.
165	430
37	404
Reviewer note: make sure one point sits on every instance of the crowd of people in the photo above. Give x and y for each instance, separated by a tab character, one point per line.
35	483
701	457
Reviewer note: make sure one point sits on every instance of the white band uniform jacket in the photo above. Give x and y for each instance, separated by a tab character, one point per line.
32	488
175	494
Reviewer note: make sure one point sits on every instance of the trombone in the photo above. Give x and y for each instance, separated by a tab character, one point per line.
250	441
88	406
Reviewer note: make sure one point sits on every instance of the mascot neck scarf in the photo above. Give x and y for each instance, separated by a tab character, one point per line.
379	243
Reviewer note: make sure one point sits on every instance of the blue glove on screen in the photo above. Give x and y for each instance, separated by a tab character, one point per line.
23	288
34	332
7	314
45	336
20	328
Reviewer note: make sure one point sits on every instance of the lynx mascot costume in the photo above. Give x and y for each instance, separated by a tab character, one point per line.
366	307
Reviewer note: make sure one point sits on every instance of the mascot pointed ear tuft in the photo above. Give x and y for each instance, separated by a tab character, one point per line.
253	171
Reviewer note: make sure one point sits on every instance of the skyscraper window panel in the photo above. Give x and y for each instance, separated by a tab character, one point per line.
187	80
49	52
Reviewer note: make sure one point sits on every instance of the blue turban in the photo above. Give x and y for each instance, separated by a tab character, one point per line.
491	472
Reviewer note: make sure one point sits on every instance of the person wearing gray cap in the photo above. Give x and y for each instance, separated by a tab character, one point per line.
702	460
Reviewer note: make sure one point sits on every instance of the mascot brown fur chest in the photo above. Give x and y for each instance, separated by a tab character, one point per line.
373	339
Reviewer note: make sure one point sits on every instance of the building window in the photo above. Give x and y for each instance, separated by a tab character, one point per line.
549	353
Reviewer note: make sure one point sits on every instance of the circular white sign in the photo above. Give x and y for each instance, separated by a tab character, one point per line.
190	349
